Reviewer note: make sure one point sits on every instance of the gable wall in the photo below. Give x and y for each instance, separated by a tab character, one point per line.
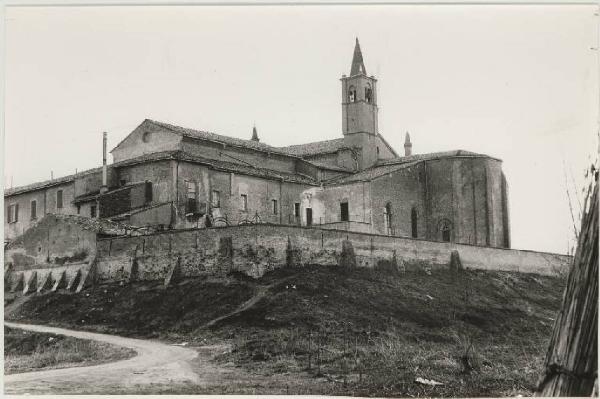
133	145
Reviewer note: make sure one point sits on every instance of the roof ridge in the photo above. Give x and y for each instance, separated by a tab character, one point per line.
312	142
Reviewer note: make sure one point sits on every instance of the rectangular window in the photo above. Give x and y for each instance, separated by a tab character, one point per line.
296	209
190	204
13	213
148	192
274	203
78	209
309	216
93	211
344	216
59	199
244	198
215	199
33	209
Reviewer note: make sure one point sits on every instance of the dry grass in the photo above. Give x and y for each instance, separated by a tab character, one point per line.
31	351
363	332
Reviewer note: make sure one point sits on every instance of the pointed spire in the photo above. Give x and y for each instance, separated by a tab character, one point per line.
407	145
255	135
358	66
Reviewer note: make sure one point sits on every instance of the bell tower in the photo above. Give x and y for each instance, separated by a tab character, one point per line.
359	109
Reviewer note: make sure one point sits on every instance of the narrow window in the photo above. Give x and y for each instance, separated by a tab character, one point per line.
274	203
16	219
93	211
215	199
190	203
59	199
78	209
244	198
296	209
413	222
148	192
377	152
33	209
387	219
309	216
368	93
445	227
344	216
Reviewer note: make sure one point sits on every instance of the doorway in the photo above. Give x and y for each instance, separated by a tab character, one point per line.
309	216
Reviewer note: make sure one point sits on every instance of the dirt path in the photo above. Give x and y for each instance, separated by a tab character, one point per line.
155	364
261	292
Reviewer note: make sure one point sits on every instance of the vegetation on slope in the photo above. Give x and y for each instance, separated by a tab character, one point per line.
33	351
360	331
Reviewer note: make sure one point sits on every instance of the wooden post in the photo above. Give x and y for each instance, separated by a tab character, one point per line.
572	358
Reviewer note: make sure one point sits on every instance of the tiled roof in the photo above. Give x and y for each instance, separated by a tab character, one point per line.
370	174
318	147
227	166
202	135
248	170
386	166
323	165
50	183
165	155
431	156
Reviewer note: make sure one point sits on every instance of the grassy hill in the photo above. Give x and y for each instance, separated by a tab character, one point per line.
355	332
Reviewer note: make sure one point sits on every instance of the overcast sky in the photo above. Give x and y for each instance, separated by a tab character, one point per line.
516	82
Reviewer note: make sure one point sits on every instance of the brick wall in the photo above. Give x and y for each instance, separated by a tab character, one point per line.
256	249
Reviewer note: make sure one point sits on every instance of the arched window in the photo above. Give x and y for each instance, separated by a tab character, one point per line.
387	219
352	94
413	222
368	93
445	228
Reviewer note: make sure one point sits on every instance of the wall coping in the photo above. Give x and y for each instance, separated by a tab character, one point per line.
176	231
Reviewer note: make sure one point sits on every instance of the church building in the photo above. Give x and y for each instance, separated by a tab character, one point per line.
169	177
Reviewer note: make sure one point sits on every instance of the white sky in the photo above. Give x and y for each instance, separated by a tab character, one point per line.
516	82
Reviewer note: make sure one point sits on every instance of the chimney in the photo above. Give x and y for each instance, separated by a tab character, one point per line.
407	146
104	187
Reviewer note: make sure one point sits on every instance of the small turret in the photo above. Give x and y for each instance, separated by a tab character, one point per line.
407	146
255	135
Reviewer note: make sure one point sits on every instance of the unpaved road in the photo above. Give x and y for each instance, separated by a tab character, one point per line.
156	364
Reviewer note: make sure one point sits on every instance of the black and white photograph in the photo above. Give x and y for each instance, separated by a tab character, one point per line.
322	198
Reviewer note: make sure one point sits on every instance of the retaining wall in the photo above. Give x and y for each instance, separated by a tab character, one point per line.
256	249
